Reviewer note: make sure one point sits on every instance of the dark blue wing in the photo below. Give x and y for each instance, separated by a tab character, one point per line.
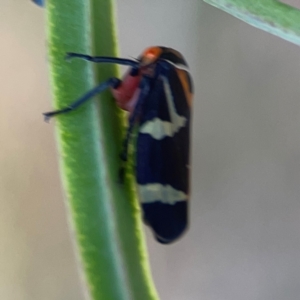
162	158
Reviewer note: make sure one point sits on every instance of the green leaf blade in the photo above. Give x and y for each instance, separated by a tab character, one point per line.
269	15
104	214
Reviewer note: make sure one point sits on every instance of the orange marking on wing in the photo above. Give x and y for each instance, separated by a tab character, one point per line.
186	86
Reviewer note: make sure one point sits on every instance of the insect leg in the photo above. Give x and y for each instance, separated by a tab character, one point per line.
112	82
144	86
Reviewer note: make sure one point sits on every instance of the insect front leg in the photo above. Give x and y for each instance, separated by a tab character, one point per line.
112	82
144	87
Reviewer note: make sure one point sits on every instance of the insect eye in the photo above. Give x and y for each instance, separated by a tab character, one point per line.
150	55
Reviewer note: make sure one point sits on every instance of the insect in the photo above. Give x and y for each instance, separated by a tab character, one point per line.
157	92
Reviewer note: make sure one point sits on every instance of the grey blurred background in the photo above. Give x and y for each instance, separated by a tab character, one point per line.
244	240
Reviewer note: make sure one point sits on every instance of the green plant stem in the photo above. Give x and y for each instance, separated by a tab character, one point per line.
104	213
269	15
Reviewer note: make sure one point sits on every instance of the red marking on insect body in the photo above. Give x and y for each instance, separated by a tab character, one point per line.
127	93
